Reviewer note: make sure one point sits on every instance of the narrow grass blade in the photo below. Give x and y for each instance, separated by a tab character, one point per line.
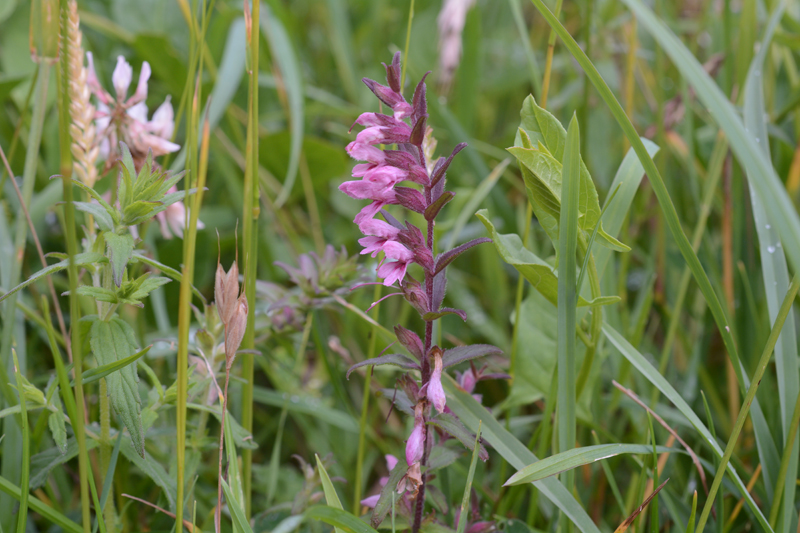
462	517
327	487
240	523
41	508
629	521
576	457
766	355
567	293
471	413
651	374
338	518
776	277
94	374
690	524
24	478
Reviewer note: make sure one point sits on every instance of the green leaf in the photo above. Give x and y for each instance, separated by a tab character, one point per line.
98	293
55	421
396	359
111	342
459	354
338	518
327	486
119	249
93	374
169	271
138	212
540	274
241	437
308	406
240	522
41	508
384	504
462	523
153	470
45	461
450	424
100	215
82	259
472	414
576	457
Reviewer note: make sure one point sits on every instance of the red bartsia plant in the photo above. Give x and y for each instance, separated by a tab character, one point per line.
423	192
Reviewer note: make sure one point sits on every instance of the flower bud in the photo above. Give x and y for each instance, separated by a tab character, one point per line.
435	392
234	331
226	291
415	446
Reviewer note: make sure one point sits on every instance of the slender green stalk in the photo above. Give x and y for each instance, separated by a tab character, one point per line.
22	513
362	428
766	354
548	65
250	217
787	457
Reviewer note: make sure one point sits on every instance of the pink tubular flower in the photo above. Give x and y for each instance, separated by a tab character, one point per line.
395	270
378	234
435	392
415	446
120	118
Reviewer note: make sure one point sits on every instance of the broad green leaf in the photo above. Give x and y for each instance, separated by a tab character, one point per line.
459	354
471	413
542	160
450	424
151	469
93	374
101	216
98	293
306	405
138	212
82	259
45	461
111	342
327	486
119	249
384	504
169	271
576	457
395	359
540	274
55	422
338	518
240	522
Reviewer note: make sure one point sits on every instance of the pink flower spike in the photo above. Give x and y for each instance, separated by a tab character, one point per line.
372	245
378	228
371	210
361	169
365	152
435	391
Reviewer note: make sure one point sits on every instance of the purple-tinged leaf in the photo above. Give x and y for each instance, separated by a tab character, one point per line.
419	102
391	220
410	199
410	341
432	210
384	504
393	73
433	315
396	359
400	399
453	426
459	354
443	164
448	257
439	289
418	131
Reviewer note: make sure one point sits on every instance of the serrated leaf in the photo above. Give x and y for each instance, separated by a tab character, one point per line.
101	216
81	259
55	421
93	374
459	354
540	274
113	341
453	426
119	249
396	359
138	212
98	293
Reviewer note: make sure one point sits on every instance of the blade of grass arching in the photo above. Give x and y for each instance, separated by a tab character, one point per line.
462	517
766	354
651	374
671	44
251	210
576	457
274	461
775	274
480	193
654	482
610	478
240	522
41	508
101	523
112	466
22	512
472	413
331	498
567	295
690	524
533	65
283	53
789	456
